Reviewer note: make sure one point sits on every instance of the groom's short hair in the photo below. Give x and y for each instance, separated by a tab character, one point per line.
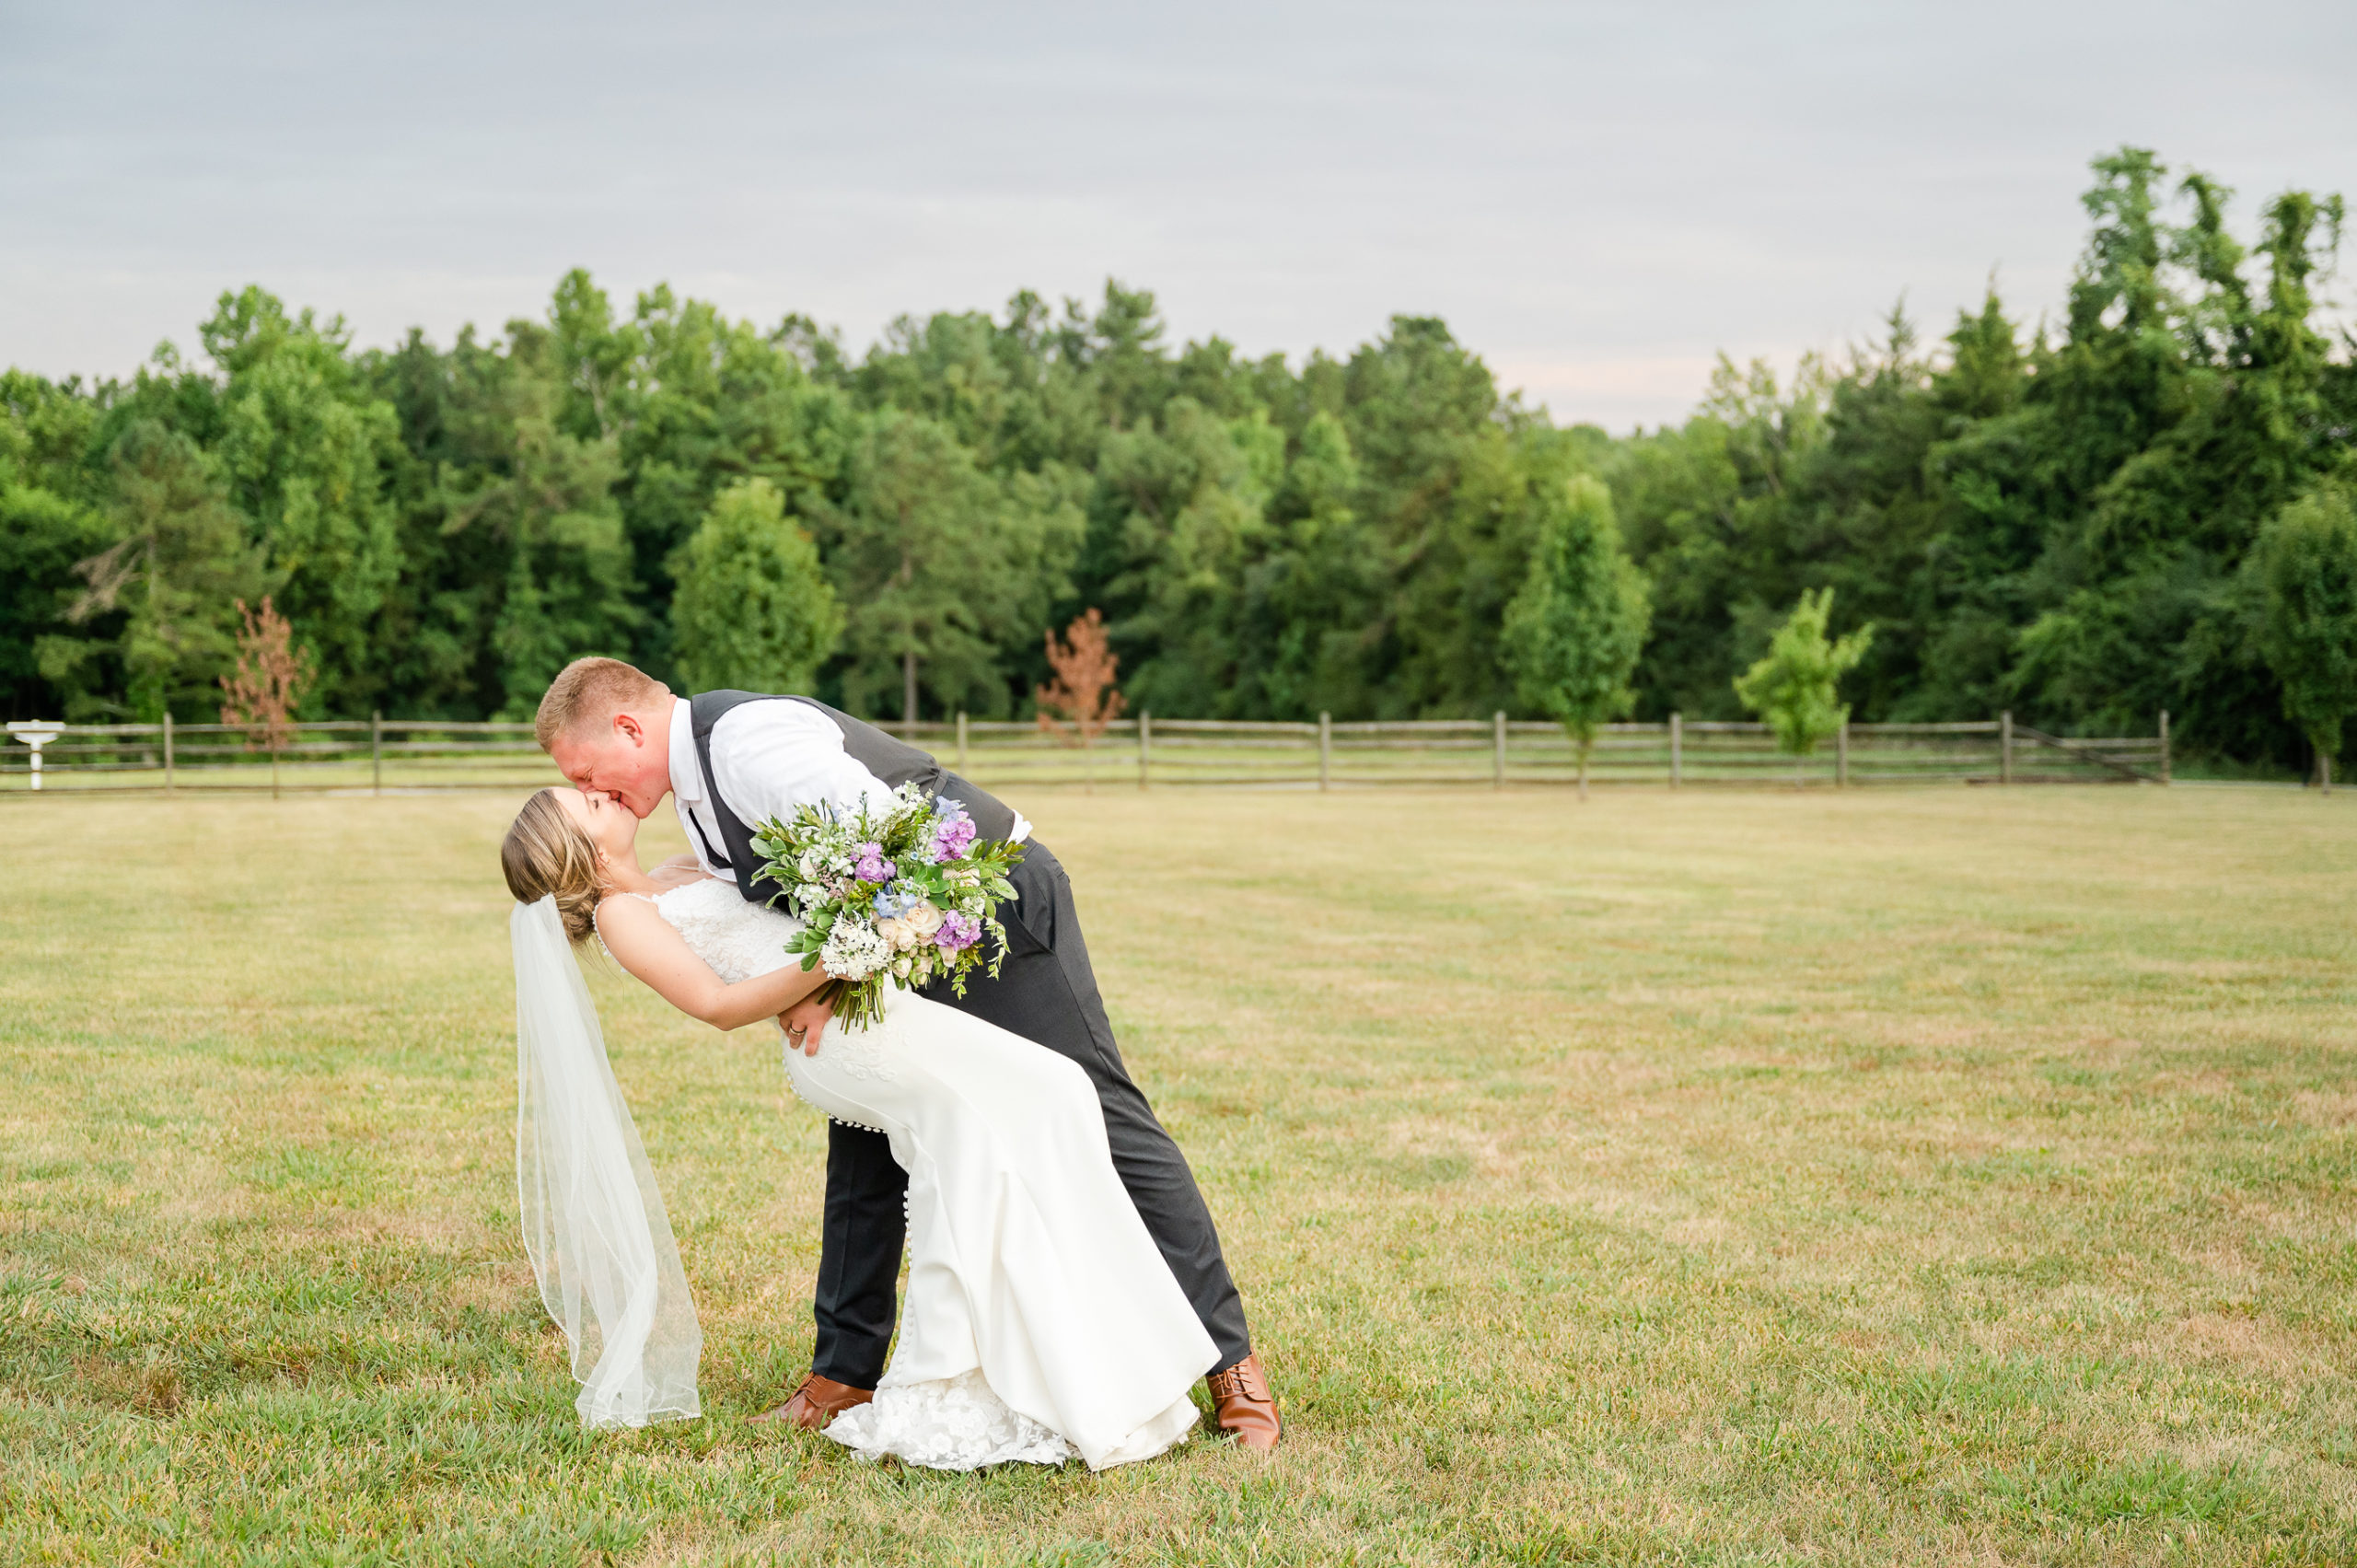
589	690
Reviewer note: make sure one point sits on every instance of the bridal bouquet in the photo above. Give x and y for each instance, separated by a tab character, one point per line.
902	895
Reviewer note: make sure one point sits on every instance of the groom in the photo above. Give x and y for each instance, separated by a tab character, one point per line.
730	760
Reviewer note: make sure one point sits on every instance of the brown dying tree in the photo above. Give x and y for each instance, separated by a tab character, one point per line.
1082	701
272	675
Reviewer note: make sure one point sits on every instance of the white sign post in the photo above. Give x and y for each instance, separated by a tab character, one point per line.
37	733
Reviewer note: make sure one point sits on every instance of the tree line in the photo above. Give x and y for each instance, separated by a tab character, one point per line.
2069	517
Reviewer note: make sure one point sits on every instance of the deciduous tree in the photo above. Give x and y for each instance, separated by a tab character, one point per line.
753	608
1082	700
271	675
302	445
1797	687
1573	633
2307	568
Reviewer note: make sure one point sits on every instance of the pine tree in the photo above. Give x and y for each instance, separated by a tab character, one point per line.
937	563
180	560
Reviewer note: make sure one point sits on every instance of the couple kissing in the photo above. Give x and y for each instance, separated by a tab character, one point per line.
1066	1287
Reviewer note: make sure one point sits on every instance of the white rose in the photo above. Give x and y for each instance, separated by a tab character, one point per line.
925	918
897	932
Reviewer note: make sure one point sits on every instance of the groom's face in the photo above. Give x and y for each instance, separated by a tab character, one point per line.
628	761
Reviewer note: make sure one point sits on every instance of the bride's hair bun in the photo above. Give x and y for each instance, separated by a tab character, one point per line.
546	853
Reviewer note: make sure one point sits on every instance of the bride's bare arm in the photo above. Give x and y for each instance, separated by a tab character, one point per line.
642	942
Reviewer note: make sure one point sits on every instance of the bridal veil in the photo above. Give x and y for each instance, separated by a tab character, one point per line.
593	1216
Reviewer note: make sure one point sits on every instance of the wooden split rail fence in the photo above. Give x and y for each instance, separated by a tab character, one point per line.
407	756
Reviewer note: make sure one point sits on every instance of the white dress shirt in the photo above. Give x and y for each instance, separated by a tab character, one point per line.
770	759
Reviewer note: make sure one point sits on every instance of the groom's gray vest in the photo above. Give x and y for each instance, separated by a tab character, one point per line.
894	762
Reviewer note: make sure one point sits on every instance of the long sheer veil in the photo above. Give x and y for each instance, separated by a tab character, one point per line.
593	1216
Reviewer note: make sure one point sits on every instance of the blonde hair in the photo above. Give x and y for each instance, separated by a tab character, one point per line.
547	853
589	689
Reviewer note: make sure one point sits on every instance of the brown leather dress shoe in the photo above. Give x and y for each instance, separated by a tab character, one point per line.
817	1402
1243	1406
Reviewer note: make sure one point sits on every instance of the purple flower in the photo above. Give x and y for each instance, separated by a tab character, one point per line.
958	932
873	867
953	833
952	841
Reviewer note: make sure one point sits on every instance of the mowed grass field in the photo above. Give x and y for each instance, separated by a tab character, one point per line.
1955	1175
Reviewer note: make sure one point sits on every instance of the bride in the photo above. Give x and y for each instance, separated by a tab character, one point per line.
1040	1319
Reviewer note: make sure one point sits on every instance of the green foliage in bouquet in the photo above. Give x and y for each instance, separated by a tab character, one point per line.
904	895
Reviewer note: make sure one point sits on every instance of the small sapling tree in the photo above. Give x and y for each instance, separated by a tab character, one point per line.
2307	570
1573	634
1796	688
270	680
1082	701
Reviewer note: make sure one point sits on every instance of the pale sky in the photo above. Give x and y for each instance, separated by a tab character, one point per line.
1597	197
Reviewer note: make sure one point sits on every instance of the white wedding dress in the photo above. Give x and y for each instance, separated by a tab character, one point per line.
1040	1319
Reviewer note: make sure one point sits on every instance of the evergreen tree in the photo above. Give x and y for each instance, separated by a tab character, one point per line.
1307	609
551	564
753	609
940	564
2064	522
170	579
1177	517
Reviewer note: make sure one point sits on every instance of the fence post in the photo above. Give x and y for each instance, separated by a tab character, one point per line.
2164	746
167	752
1325	749
1145	744
2005	747
376	752
1841	757
1498	749
1676	749
961	743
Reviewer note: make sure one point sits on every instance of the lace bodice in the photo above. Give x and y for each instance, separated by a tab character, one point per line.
738	939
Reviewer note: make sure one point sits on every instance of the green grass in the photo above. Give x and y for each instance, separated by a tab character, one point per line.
1925	1177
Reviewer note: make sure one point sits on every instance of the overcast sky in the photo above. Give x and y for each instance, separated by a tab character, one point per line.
1597	197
